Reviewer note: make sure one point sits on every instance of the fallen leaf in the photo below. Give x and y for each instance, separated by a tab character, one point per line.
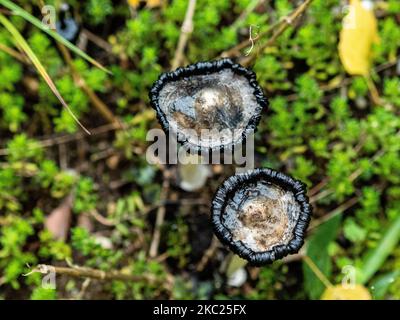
358	34
113	161
59	220
133	3
193	175
340	292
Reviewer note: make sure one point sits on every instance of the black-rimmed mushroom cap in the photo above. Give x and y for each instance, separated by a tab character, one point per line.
221	97
262	215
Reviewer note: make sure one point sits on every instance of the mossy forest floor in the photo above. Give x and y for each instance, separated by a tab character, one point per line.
76	201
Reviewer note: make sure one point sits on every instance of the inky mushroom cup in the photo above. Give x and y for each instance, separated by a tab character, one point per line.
218	97
262	215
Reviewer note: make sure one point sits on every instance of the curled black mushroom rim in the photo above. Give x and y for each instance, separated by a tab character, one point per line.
217	95
262	215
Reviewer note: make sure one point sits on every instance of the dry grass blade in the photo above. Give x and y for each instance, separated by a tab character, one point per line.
37	23
36	62
13	53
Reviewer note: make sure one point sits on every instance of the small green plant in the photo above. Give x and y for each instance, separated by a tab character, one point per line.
178	242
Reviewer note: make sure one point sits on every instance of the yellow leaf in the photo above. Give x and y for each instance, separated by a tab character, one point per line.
358	33
133	3
149	3
339	292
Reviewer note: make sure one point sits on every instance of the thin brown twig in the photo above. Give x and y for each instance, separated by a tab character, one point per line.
318	187
286	22
235	26
343	207
7	12
160	217
104	110
235	51
186	30
20	57
208	254
293	257
84	287
318	273
101	219
180	202
245	13
52	141
376	99
63	158
320	195
84	272
98	41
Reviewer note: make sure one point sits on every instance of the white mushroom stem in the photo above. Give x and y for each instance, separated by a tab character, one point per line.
192	173
234	263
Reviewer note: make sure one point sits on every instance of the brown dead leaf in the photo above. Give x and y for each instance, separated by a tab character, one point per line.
31	84
113	161
59	220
